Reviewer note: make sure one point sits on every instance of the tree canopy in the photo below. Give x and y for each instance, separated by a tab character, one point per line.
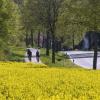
65	21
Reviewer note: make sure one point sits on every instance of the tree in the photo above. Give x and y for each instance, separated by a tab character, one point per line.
49	9
68	25
95	9
45	13
90	19
91	14
9	26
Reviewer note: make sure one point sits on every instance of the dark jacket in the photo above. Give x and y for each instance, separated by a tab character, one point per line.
29	53
37	54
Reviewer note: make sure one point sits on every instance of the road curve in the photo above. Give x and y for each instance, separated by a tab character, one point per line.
83	58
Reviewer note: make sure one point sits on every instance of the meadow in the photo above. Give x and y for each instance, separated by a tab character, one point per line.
27	81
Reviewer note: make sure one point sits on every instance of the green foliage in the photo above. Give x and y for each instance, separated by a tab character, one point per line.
61	60
78	16
16	54
3	17
18	18
10	33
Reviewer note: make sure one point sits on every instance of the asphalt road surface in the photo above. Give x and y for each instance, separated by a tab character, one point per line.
33	56
83	58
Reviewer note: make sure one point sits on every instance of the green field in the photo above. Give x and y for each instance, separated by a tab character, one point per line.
26	81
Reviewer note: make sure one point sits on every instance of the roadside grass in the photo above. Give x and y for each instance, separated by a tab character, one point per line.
17	54
61	60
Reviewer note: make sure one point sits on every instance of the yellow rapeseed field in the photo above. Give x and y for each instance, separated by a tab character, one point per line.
27	81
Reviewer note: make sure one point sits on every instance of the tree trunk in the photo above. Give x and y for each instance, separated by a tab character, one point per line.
53	48
26	40
95	59
73	41
47	44
39	39
32	44
43	42
59	45
95	53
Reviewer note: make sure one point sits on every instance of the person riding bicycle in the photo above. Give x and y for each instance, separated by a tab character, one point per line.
37	55
29	54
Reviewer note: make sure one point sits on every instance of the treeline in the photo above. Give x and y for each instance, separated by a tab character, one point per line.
61	20
11	29
60	23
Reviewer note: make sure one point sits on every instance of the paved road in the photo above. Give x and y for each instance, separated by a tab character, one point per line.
83	58
33	56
